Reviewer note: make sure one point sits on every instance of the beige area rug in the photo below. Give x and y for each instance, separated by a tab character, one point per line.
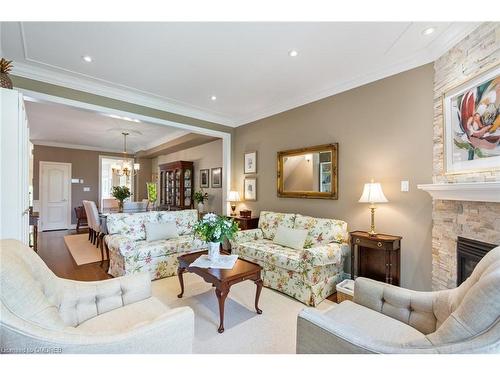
82	250
245	332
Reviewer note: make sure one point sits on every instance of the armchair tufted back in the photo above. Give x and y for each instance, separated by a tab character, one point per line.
447	316
28	286
473	307
31	291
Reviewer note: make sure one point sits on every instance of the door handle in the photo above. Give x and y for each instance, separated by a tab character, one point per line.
64	200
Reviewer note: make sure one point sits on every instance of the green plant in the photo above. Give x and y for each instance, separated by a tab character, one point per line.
215	228
152	192
200	196
120	192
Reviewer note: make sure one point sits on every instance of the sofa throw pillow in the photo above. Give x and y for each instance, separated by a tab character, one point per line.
288	237
161	231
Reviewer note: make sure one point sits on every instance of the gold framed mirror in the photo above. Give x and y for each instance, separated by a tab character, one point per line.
310	172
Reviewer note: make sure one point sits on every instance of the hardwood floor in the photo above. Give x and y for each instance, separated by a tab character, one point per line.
55	254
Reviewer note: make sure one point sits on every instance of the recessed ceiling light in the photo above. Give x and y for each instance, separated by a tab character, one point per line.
428	31
213	97
293	53
87	58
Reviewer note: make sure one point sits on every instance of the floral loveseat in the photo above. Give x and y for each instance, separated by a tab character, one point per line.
129	251
309	275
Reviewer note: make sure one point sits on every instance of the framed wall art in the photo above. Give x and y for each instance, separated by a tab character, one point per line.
250	160
217	177
204	178
250	189
472	124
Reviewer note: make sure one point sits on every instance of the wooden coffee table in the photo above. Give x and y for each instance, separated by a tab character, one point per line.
222	279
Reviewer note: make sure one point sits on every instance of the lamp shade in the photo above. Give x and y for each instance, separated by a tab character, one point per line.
234	196
372	193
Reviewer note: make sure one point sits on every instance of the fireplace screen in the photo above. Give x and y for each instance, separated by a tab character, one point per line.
469	253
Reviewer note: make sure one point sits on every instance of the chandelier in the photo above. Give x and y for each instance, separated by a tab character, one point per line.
125	168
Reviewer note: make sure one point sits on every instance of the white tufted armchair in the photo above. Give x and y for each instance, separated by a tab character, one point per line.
387	319
42	313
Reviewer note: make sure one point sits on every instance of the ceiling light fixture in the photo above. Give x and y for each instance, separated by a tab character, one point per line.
124	167
428	31
87	58
293	53
213	97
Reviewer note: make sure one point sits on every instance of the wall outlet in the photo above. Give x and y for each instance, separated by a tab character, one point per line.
405	185
86	188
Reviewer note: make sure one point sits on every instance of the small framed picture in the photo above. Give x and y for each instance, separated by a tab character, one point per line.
250	162
204	178
217	177
250	189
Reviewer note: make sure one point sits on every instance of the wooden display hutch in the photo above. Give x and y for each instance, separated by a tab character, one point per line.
176	185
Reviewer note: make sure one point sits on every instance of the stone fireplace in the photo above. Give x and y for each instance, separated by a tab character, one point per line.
464	205
478	221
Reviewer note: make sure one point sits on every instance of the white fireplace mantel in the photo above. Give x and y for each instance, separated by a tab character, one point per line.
464	191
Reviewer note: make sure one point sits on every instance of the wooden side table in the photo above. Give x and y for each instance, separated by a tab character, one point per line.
246	223
377	257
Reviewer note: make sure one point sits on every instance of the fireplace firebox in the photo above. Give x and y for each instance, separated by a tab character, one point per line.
469	253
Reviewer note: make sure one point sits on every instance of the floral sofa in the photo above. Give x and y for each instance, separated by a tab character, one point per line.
129	251
309	275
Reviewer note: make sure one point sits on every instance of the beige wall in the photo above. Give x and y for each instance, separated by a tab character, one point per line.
84	165
384	131
206	156
144	176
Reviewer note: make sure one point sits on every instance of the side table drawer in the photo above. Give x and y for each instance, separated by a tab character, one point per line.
382	245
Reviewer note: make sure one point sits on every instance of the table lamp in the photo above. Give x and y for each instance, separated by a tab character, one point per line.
372	193
234	197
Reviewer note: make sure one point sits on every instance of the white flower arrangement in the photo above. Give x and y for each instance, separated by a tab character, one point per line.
215	228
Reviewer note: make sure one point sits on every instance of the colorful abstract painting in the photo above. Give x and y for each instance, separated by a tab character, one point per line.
472	119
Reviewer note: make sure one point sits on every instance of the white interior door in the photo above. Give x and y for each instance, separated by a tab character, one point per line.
55	184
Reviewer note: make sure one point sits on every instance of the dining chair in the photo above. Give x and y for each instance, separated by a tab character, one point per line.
96	225
88	213
81	218
109	203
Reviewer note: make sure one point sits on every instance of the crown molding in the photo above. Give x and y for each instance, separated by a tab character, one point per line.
452	35
98	87
439	46
74	146
148	146
162	140
414	61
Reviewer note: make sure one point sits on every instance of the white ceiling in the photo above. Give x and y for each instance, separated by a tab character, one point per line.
178	66
60	125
